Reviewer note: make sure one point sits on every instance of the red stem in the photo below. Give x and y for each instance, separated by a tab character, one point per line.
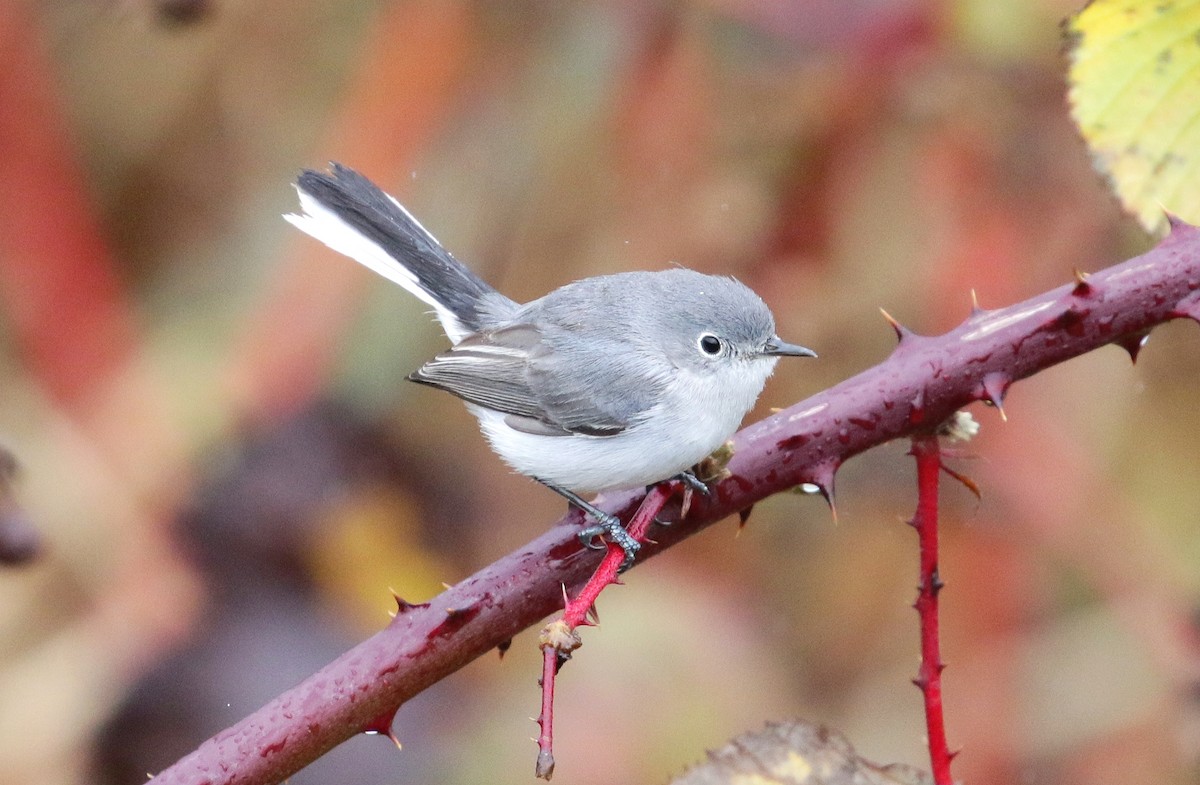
545	758
575	614
606	574
926	450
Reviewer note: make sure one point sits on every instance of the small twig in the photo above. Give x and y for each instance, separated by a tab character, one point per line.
927	451
559	639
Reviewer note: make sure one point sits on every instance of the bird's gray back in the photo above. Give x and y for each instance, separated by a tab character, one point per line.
611	343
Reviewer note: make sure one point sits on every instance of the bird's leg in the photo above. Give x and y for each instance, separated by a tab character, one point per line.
606	524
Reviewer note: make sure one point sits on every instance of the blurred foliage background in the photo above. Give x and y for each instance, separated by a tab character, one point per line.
229	473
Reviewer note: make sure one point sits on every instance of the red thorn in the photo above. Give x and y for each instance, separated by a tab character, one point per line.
993	387
822	477
902	332
403	606
382	726
744	516
1082	287
1133	344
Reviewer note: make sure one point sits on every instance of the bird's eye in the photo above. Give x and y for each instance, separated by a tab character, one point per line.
710	344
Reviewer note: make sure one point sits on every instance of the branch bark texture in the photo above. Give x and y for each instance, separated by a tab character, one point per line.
923	382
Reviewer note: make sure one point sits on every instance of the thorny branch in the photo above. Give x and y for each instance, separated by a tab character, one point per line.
927	451
923	382
558	638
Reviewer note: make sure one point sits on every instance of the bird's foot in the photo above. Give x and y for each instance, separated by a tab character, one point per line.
610	526
693	482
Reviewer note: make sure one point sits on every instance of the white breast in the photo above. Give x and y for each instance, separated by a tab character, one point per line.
691	421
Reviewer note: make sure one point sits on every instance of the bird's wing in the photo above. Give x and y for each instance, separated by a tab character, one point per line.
514	370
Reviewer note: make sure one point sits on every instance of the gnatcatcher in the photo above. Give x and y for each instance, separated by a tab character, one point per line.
616	381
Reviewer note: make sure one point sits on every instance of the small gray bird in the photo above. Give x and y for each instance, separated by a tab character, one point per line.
616	381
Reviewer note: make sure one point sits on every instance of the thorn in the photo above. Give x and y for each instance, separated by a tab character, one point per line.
823	478
994	385
743	517
382	726
1133	344
503	646
593	614
403	605
974	302
1082	287
902	332
1174	222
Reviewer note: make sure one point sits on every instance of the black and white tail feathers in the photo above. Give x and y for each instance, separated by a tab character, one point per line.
351	215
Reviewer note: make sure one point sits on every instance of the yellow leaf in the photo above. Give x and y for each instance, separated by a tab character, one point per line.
1135	95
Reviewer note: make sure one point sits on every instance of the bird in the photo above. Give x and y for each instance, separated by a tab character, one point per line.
609	382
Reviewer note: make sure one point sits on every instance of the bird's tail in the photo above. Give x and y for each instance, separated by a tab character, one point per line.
351	215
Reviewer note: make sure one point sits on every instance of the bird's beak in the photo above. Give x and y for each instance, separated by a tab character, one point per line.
778	348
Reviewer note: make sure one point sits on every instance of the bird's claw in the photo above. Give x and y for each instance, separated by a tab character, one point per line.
610	526
693	482
593	537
